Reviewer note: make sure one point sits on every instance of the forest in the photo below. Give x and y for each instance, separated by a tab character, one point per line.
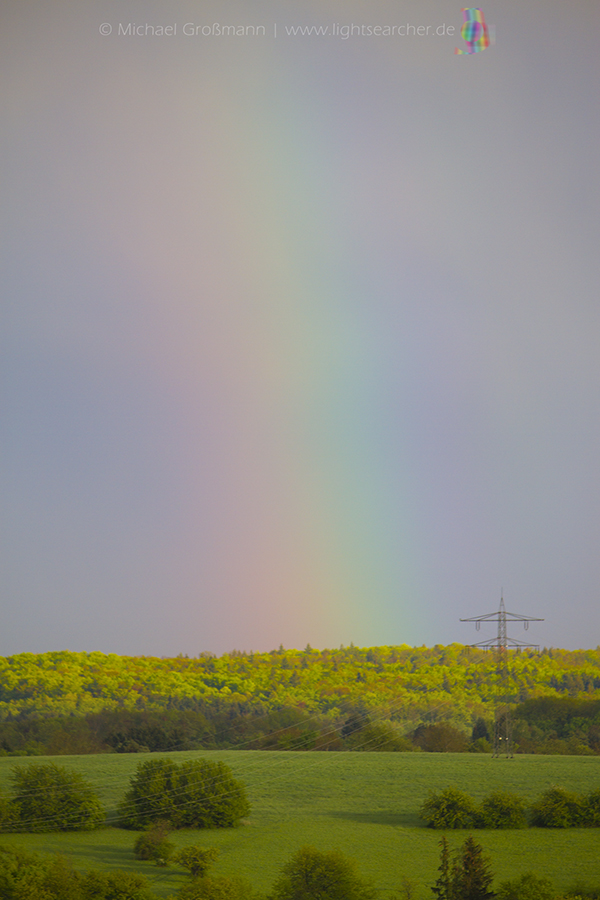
382	698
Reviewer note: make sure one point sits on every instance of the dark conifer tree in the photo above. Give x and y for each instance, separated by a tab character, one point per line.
472	877
443	886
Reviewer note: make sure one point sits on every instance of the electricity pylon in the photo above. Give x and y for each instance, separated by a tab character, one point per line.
502	643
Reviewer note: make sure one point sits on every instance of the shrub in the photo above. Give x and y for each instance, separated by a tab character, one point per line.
197	860
441	738
481	745
480	730
590	813
115	885
327	875
26	876
379	736
154	844
52	798
501	809
527	887
557	808
197	793
221	888
450	808
6	812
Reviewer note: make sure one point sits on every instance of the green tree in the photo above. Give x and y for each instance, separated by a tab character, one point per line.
197	793
115	885
450	808
216	888
379	737
6	811
355	722
152	794
471	874
442	738
502	809
590	813
528	887
480	730
443	887
408	890
154	844
52	798
197	860
557	808
26	876
314	875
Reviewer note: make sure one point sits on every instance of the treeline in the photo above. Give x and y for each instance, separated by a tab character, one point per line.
216	728
551	725
351	698
406	679
543	725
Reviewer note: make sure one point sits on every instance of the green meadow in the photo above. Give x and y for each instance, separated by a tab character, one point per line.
364	804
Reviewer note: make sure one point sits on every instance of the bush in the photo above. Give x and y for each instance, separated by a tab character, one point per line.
222	888
52	798
590	813
115	885
197	860
450	808
501	809
480	731
197	793
441	738
527	887
154	844
329	876
481	745
381	737
557	808
26	876
6	812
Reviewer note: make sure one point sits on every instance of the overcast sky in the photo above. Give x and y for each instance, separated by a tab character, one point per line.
300	334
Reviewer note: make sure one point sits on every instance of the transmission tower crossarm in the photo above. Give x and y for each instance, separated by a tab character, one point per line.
495	617
515	617
487	618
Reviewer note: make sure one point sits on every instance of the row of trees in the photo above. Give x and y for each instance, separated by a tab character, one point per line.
545	725
556	808
411	683
194	794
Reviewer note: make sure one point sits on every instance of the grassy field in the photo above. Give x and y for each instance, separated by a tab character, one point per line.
365	804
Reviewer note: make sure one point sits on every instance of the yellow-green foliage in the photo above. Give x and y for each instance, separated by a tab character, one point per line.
408	680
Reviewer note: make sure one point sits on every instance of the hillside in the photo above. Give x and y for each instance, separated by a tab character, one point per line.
308	699
408	680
